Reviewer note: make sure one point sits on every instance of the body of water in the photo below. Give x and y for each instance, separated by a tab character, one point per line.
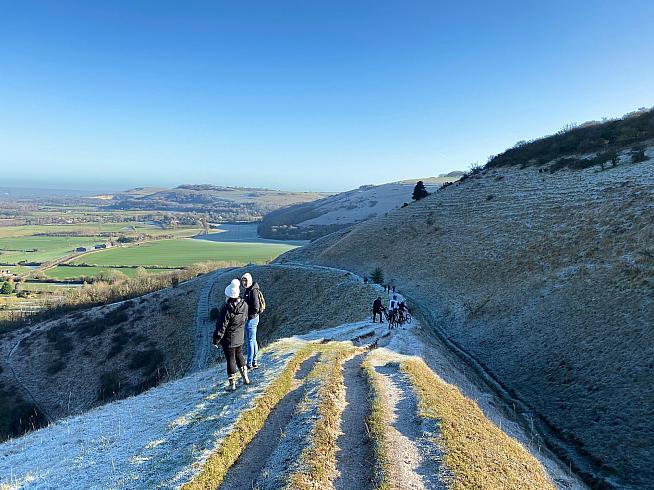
246	233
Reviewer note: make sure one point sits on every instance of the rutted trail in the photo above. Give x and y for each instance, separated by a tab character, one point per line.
355	458
412	457
246	472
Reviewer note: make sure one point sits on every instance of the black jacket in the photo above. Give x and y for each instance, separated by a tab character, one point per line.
231	323
252	299
377	305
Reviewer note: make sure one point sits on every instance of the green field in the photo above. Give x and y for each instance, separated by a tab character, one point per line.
15	249
15	269
95	228
184	252
63	272
43	286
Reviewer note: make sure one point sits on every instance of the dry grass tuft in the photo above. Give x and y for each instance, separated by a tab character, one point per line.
477	452
377	428
319	469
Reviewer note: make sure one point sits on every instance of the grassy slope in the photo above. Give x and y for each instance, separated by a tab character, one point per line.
546	280
180	253
72	366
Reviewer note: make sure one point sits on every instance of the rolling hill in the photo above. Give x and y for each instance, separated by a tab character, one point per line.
218	202
318	218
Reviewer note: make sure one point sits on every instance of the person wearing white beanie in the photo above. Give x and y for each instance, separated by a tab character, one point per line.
233	289
229	333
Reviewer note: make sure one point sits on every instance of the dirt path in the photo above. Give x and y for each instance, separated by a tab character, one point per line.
243	474
413	459
354	458
21	385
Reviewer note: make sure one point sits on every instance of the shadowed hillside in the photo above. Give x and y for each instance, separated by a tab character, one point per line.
546	279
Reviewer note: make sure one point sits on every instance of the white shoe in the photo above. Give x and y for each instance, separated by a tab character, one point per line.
244	375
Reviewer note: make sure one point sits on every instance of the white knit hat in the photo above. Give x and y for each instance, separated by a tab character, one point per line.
248	279
234	289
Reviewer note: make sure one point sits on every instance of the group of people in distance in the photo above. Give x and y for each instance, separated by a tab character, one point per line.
237	324
395	307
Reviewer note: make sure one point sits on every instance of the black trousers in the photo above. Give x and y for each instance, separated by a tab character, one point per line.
235	359
374	316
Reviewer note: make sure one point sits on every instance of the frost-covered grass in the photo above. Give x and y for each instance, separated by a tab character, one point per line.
246	427
159	439
318	467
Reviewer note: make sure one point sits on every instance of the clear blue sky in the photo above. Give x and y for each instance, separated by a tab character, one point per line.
316	95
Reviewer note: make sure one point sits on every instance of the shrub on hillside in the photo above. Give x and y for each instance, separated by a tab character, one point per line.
419	191
148	361
110	383
56	366
377	275
59	339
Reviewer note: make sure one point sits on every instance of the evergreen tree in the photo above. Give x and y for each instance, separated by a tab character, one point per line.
6	288
419	191
377	275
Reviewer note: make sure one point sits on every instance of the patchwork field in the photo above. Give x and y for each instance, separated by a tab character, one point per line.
64	272
40	248
126	228
183	252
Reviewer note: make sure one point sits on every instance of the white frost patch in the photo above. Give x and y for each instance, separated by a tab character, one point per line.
153	440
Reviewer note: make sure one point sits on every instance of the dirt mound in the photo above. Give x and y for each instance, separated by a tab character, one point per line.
546	279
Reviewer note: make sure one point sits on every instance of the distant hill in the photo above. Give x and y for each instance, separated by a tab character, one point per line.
220	203
318	218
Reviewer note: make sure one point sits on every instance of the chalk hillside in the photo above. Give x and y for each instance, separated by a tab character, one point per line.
544	276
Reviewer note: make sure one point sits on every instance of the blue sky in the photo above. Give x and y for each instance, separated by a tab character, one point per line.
302	95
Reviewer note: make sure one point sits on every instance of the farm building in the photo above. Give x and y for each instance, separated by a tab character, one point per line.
6	273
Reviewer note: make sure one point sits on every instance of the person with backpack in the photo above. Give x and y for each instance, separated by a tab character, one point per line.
229	333
256	304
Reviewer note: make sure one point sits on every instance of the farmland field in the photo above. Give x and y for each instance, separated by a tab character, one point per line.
127	228
63	272
40	248
184	252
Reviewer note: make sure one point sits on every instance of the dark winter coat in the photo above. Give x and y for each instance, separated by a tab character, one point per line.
252	299
377	306
230	326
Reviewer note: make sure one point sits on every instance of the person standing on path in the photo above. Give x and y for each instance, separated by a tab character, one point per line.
229	333
251	295
377	310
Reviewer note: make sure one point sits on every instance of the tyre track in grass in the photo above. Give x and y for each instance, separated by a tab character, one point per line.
248	469
354	457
